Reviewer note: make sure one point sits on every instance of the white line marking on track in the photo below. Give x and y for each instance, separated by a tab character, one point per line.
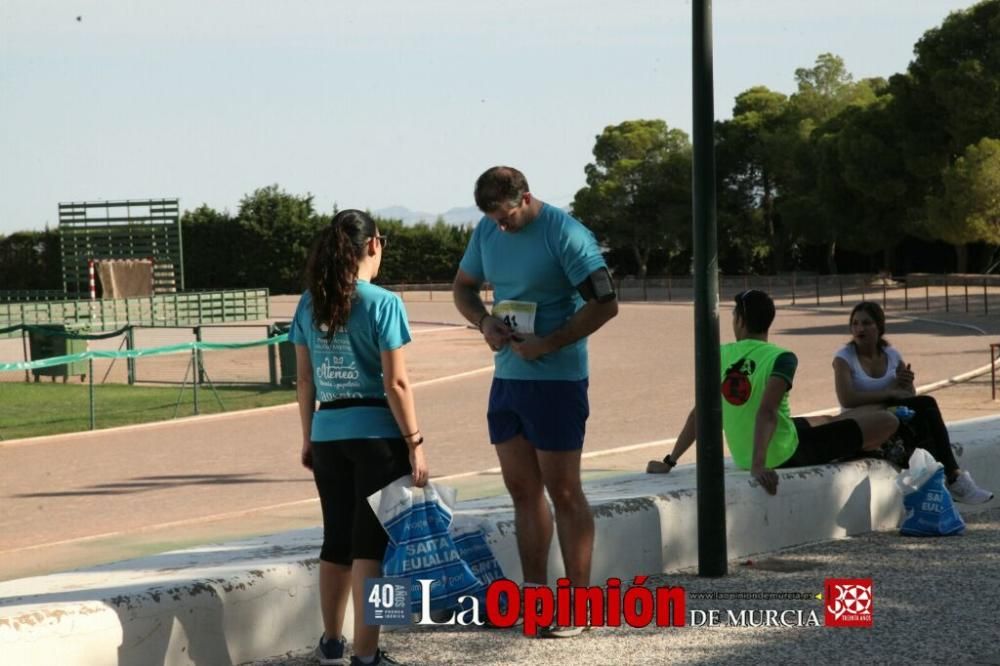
956	324
448	378
245	512
242	413
630	447
440	328
585	456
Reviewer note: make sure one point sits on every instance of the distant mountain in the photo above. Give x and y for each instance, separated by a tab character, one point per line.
409	217
460	216
455	216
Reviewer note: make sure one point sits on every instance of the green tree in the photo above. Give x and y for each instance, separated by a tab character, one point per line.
817	204
213	246
968	210
638	193
278	231
948	100
422	253
30	260
826	89
751	160
957	66
862	187
777	184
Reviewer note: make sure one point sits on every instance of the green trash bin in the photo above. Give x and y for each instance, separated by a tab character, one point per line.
43	344
287	364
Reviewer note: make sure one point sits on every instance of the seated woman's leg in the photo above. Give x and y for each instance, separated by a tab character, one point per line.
931	432
840	438
877	425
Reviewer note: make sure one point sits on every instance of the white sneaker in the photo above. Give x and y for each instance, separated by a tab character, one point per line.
556	631
964	489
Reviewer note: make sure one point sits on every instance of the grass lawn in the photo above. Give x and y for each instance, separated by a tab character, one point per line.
30	410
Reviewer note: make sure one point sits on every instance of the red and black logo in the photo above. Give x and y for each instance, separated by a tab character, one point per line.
848	602
736	387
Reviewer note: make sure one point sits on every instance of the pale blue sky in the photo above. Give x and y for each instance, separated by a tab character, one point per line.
375	103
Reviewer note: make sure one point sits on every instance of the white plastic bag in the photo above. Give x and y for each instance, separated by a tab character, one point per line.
425	543
922	467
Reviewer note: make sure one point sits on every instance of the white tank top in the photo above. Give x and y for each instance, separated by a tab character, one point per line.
860	380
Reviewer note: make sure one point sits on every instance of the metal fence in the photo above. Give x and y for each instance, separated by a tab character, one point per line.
206	361
177	309
24	295
254	365
968	293
975	294
269	364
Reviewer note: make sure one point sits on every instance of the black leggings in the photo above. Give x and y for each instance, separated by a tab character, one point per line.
929	430
825	443
347	471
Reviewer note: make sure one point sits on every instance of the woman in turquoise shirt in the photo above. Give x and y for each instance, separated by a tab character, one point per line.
349	336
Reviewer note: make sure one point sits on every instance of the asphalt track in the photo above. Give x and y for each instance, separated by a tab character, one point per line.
80	499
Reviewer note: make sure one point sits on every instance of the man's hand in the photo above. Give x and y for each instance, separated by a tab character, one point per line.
767	478
529	347
495	332
658	467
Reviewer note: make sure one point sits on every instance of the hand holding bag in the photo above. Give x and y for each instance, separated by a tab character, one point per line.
421	545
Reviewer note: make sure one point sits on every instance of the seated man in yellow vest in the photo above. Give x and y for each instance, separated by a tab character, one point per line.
761	434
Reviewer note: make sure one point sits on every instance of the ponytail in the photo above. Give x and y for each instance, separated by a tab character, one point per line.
332	268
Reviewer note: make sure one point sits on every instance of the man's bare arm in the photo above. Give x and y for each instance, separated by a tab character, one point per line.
764	427
585	321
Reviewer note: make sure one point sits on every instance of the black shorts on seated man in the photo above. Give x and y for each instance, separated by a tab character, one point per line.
760	431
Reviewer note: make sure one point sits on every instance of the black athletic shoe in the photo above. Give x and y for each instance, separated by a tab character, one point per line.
331	653
381	659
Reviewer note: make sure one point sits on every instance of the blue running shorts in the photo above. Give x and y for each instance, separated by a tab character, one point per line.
551	414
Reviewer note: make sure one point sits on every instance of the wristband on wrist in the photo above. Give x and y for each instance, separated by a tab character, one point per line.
479	324
418	442
415	432
669	462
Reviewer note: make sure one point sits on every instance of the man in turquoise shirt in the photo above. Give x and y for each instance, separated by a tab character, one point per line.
551	290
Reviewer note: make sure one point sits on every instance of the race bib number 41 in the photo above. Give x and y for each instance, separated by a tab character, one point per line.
518	315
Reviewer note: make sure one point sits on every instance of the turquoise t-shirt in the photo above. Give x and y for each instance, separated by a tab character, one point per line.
350	365
539	265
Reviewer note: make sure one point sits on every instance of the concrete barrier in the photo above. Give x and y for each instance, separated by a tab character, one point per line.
235	602
648	523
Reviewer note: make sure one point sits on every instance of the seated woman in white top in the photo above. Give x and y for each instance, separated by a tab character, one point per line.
869	371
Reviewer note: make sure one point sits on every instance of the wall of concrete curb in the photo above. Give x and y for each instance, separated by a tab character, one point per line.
235	602
218	604
648	523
